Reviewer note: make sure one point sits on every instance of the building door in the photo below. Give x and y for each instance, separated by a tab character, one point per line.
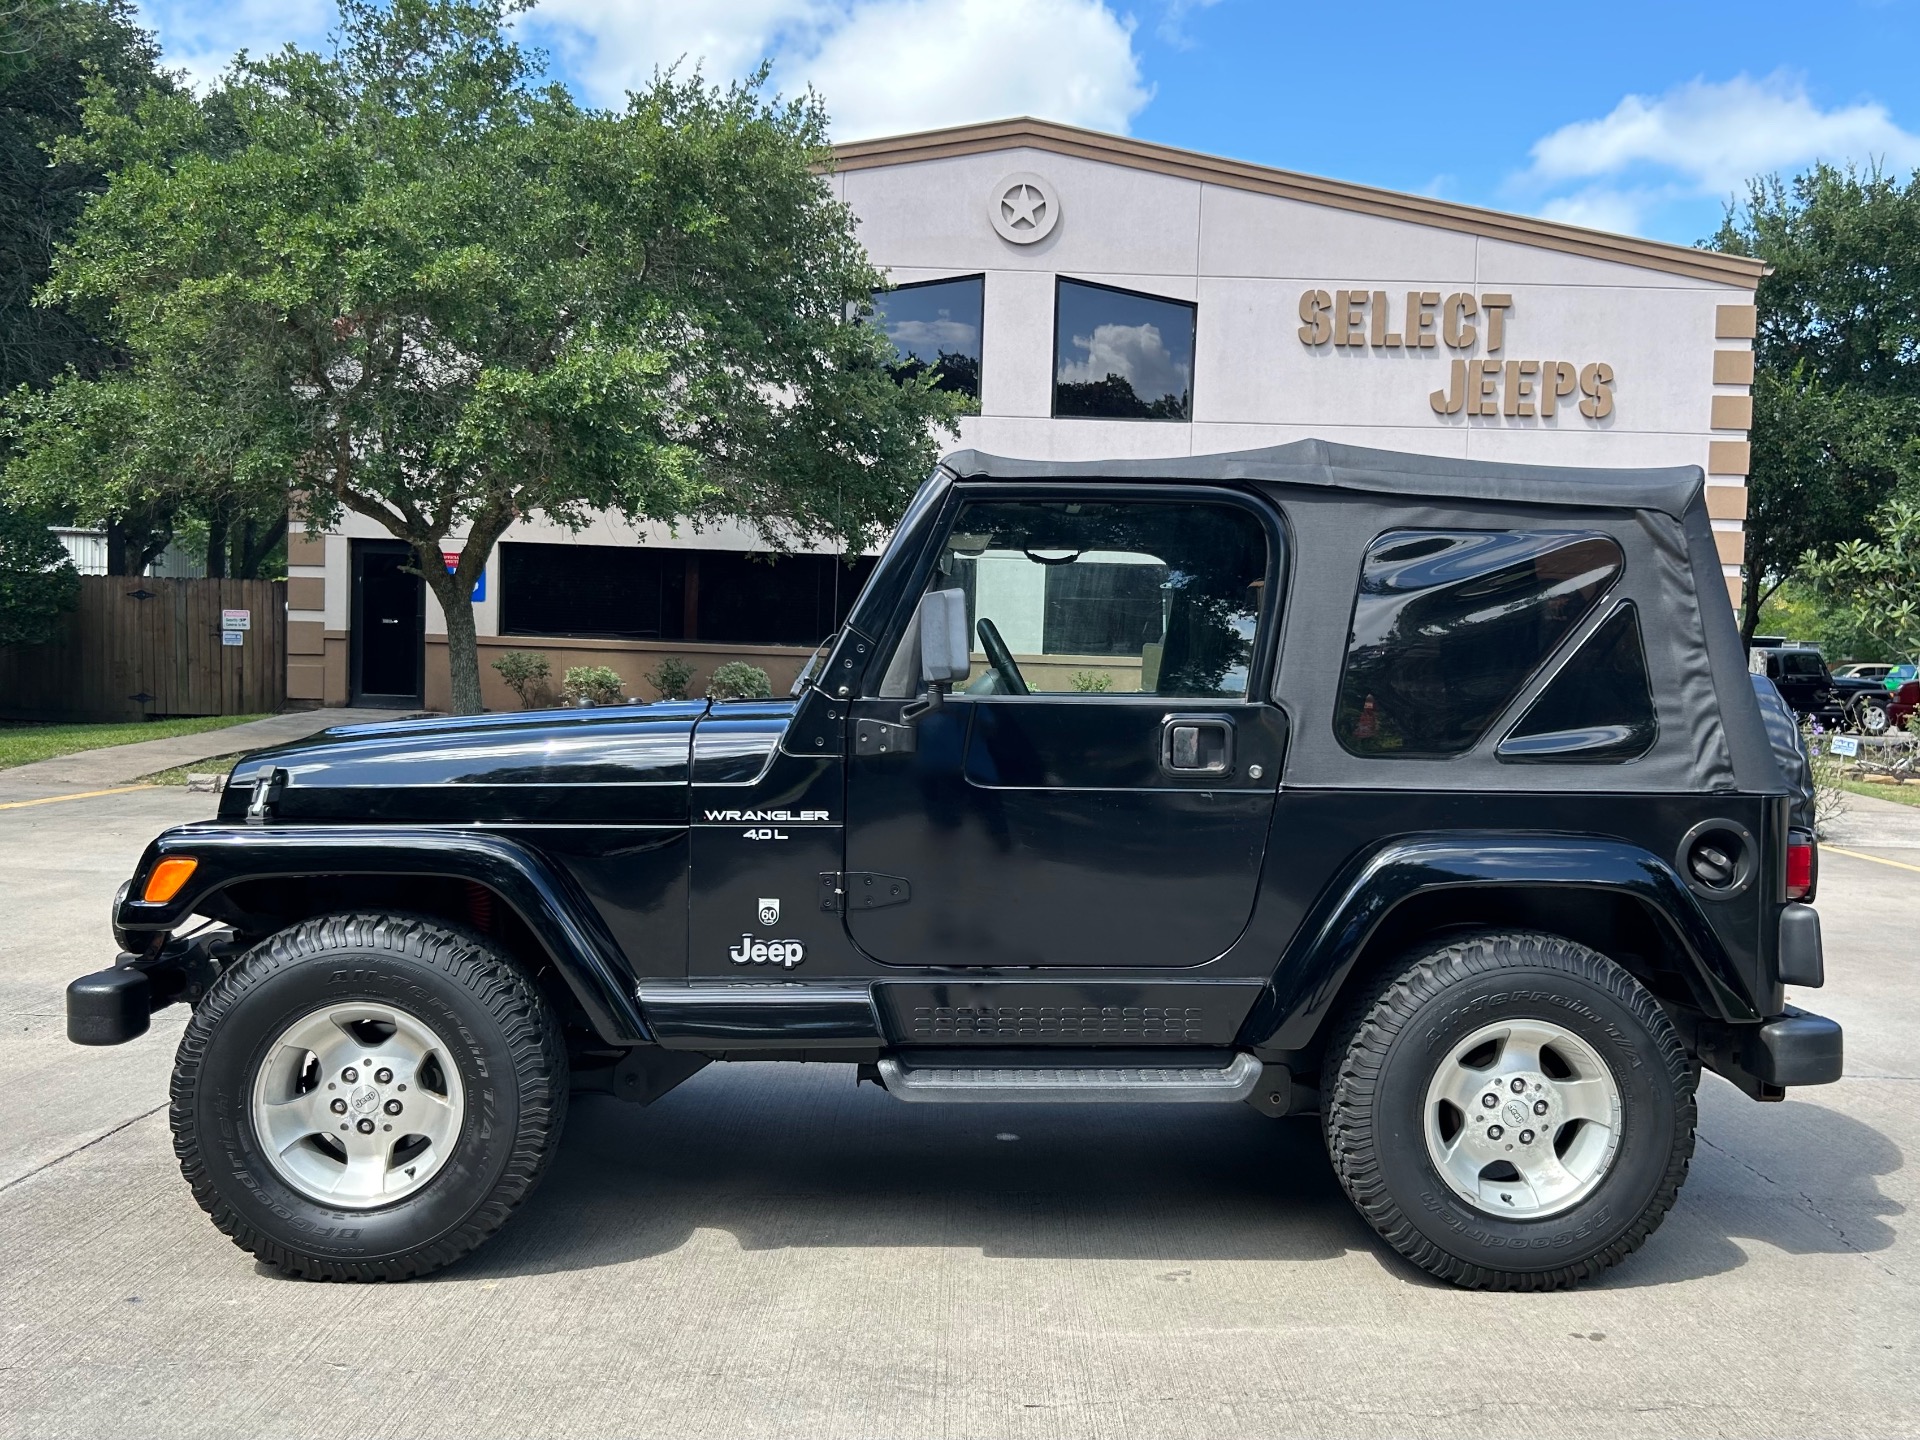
1098	793
389	624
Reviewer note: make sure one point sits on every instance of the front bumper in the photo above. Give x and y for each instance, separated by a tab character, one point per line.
113	1006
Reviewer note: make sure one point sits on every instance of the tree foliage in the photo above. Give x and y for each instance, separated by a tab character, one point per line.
1836	425
37	580
435	295
1874	585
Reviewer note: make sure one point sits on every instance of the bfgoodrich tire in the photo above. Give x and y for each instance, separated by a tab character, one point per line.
1510	1111
367	1097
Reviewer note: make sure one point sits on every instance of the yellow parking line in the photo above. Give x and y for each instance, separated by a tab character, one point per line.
1897	864
83	795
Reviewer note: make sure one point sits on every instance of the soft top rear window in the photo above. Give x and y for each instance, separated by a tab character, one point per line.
1448	626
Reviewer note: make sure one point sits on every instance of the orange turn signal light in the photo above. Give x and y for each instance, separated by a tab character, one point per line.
167	878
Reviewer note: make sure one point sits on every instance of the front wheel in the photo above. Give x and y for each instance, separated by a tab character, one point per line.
1511	1112
1872	716
367	1097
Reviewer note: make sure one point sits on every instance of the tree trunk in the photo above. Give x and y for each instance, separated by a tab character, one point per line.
117	543
217	526
463	647
252	548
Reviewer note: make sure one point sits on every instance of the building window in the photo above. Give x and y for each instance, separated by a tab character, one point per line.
935	325
1449	624
1121	356
631	592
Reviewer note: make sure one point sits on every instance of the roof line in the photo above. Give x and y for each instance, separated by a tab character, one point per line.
958	140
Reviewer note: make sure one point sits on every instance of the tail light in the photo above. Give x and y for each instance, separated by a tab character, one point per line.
1800	866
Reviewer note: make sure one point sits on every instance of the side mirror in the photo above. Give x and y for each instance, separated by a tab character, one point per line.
944	650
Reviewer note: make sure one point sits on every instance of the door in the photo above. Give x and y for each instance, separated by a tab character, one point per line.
389	624
1098	792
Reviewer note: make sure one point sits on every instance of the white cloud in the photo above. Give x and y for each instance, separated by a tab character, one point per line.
927	338
900	65
1717	135
1600	207
882	66
1134	351
202	39
1172	28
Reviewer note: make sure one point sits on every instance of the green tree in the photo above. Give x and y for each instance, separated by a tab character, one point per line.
50	50
444	298
37	580
1837	362
1874	585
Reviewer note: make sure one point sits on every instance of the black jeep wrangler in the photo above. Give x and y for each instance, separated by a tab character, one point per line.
1428	797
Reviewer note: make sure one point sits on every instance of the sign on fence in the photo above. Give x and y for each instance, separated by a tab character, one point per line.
1848	745
236	620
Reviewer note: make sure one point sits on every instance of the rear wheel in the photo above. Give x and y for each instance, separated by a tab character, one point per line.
367	1097
1511	1111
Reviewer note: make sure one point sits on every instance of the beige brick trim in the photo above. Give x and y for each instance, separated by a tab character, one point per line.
1733	412
1724	457
306	679
1736	591
1735	322
1732	545
306	637
307	592
1727	502
304	547
1733	367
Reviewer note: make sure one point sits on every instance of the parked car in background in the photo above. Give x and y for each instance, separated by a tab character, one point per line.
1875	707
1799	671
1902	703
1900	675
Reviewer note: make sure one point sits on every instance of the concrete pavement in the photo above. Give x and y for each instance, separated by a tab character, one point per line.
770	1251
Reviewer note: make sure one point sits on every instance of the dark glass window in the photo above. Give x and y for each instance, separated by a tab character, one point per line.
1598	708
630	592
1121	356
772	599
616	592
1449	624
1122	598
935	326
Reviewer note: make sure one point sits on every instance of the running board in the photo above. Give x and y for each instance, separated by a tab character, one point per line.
1072	1085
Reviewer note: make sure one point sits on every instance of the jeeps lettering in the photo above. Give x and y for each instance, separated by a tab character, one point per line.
764	817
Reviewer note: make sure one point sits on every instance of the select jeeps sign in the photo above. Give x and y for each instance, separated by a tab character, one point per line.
1486	384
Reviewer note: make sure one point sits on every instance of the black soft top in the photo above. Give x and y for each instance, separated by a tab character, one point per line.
1338	499
1671	489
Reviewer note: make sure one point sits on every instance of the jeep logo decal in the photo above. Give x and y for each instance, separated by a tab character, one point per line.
764	817
784	953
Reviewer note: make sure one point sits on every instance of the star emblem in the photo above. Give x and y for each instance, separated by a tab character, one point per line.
1022	205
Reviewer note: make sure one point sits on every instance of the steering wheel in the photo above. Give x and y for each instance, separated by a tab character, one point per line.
1001	659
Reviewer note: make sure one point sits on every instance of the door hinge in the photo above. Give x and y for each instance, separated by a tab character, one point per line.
842	890
882	737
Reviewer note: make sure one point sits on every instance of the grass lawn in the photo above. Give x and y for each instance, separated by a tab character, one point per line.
21	744
212	765
1907	794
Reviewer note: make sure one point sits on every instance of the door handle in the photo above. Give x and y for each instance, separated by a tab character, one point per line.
1196	745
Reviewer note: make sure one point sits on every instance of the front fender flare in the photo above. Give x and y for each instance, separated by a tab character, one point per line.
544	897
1308	980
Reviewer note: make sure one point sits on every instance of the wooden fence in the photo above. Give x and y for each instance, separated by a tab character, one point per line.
141	647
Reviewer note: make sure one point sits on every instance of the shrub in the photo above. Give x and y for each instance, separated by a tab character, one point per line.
1090	682
737	680
599	684
670	677
526	673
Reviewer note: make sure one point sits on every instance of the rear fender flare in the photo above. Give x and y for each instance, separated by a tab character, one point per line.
1307	983
545	898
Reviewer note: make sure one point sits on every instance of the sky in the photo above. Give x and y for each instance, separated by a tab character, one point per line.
1644	118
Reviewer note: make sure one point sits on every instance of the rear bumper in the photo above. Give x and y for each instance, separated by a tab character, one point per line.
1796	1047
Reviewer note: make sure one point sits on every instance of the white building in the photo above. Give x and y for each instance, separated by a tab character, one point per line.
1109	298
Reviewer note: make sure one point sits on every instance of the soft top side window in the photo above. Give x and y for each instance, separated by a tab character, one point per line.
1099	597
1448	625
1598	709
